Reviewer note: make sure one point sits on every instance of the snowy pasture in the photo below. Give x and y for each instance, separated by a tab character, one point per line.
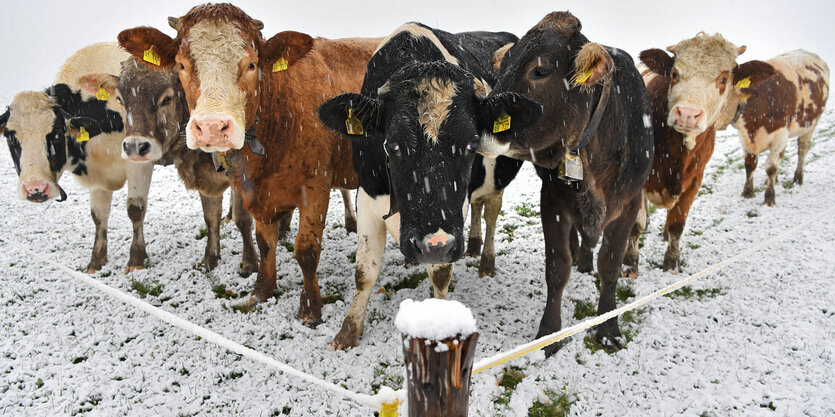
756	338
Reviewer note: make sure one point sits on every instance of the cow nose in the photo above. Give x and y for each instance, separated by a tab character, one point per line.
35	187
434	248
213	131
687	116
144	148
130	148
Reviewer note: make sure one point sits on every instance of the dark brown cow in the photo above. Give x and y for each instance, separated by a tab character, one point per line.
690	100
231	77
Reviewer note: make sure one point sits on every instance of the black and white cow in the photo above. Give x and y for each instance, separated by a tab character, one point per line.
66	129
414	129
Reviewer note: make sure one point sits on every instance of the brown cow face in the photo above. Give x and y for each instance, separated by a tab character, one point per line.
216	55
701	79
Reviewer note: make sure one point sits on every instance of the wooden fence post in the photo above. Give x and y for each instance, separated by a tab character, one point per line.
439	341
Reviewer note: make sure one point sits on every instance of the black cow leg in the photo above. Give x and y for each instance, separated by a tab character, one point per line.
557	263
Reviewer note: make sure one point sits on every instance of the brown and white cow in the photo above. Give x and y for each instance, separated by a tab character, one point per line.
233	77
690	94
43	146
774	109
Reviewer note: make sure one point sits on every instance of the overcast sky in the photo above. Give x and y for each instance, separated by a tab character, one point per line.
37	36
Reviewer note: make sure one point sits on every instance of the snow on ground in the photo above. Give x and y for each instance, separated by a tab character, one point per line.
755	338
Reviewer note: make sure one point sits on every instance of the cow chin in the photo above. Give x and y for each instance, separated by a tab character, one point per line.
690	141
490	147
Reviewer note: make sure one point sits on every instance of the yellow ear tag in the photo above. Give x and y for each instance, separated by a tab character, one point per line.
585	76
744	83
82	136
280	64
102	94
151	56
502	123
353	125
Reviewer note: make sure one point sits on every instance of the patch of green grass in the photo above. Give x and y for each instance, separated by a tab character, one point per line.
693	246
651	209
752	213
246	308
412	281
352	257
509	379
88	404
527	210
382	377
687	292
333	293
557	405
624	292
509	230
145	289
473	264
788	184
202	233
221	292
769	406
584	309
230	376
38	383
288	245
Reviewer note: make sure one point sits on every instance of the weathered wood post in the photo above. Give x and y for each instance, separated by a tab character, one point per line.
439	339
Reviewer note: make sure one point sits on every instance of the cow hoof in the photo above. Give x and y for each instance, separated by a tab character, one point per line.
247	305
769	203
409	264
247	269
351	224
487	266
552	349
629	272
746	193
311	322
473	247
798	178
129	269
585	264
91	271
611	344
206	264
671	265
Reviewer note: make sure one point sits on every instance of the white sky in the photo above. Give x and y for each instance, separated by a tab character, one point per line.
39	35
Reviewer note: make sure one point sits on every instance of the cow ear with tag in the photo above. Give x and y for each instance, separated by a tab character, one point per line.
592	65
505	114
280	52
658	61
149	46
83	128
101	85
749	75
353	115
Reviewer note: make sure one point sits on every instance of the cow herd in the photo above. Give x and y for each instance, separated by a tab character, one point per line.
427	124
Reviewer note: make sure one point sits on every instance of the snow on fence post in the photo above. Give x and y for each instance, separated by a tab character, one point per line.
439	339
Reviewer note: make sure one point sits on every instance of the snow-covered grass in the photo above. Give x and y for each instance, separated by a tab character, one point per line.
753	339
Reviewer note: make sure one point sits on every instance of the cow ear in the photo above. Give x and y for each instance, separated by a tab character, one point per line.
505	114
592	64
149	46
498	56
75	124
352	114
95	82
4	118
283	50
657	61
748	75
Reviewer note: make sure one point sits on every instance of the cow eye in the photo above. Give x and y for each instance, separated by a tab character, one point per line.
473	145
166	101
724	80
392	147
182	67
540	72
251	66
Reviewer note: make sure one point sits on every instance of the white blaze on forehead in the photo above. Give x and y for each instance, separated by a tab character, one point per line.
32	118
435	97
217	47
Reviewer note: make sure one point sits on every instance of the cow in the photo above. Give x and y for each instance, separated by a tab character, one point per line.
66	129
414	130
592	149
233	77
689	94
774	109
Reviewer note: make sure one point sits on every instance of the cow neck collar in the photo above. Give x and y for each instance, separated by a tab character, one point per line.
591	128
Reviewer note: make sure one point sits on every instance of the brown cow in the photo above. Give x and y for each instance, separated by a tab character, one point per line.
777	108
689	93
231	77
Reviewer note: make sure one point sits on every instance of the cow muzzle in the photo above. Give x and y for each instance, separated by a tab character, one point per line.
140	149
40	191
214	134
436	248
687	120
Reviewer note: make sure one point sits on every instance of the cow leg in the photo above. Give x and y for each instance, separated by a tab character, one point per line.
350	217
243	220
676	218
772	164
371	242
609	260
474	241
574	243
750	166
632	255
804	142
100	212
139	182
284	224
441	275
212	213
556	229
492	207
308	247
585	254
266	236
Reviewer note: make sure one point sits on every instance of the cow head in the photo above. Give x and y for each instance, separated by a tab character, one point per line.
216	56
555	65
37	130
701	78
426	118
154	103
